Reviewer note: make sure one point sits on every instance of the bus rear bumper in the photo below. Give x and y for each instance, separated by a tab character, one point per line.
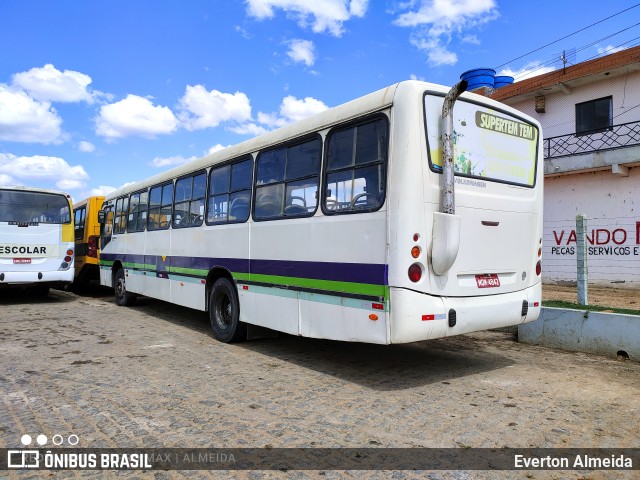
417	316
26	278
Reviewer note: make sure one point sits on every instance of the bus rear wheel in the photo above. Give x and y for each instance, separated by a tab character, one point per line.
224	312
123	297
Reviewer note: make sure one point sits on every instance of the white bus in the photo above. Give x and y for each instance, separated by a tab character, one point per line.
345	225
36	239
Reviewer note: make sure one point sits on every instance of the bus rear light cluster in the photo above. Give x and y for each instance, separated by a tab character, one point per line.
415	272
92	248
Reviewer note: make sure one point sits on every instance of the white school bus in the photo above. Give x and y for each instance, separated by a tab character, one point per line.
412	213
36	238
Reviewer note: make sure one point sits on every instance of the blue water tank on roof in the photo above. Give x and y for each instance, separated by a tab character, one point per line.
502	81
479	77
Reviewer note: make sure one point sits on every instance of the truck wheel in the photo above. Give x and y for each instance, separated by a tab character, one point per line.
123	298
224	312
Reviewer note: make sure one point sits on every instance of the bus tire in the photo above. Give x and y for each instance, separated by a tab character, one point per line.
224	312
123	297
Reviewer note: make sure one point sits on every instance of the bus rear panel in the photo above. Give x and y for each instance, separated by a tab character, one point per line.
36	232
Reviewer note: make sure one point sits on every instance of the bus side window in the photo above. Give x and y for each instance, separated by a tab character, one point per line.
160	200
106	228
356	168
230	192
287	181
121	215
79	222
189	201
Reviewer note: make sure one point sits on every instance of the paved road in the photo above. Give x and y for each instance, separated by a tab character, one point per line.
153	376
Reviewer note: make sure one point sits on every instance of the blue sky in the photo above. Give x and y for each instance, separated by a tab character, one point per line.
94	95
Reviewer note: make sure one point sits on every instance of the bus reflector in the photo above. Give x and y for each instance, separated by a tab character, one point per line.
245	287
377	306
373	316
415	273
536	304
428	317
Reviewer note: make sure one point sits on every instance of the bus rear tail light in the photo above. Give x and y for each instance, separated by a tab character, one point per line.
539	268
415	272
92	249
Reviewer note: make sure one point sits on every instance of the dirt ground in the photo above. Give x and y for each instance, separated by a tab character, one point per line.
601	296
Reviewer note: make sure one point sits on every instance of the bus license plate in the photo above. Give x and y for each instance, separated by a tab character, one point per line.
21	260
487	281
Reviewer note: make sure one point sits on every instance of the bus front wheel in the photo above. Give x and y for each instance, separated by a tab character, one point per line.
224	312
123	297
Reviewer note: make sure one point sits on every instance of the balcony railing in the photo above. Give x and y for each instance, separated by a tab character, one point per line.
623	135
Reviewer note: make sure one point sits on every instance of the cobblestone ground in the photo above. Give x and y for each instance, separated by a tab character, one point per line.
153	376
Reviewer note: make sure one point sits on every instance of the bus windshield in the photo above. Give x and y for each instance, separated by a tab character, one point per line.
489	144
33	207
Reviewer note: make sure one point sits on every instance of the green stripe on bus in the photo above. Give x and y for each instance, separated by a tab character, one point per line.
327	285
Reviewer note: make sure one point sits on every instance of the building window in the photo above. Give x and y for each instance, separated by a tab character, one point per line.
594	115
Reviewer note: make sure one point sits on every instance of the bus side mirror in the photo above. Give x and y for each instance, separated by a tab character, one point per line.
101	217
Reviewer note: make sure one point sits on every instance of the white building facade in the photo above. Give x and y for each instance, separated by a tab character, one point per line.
590	114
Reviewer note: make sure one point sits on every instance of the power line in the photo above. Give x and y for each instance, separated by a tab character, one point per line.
550	62
567	36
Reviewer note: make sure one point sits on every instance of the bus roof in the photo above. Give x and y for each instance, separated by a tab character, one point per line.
370	103
34	189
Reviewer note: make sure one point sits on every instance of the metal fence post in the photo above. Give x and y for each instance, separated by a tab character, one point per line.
581	246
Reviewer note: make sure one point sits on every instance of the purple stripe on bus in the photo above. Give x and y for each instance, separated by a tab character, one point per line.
375	274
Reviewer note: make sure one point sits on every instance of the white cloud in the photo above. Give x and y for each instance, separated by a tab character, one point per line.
436	21
135	116
248	128
23	119
100	191
321	15
532	69
292	109
43	168
160	162
609	49
302	51
216	148
203	109
50	84
6	179
86	147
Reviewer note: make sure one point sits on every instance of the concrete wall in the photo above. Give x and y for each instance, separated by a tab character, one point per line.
612	206
601	333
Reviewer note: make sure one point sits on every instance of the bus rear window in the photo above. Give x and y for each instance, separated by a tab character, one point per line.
33	207
488	144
